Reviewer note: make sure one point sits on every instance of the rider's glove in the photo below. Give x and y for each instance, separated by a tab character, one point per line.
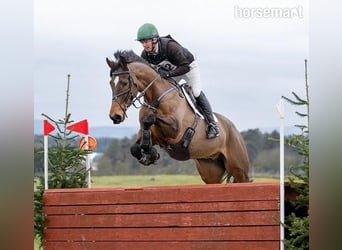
163	73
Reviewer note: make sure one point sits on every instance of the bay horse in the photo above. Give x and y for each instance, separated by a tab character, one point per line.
167	119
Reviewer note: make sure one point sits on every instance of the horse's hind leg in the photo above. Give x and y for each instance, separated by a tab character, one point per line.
211	171
238	167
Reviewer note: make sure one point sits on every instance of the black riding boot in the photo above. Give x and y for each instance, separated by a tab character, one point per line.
203	103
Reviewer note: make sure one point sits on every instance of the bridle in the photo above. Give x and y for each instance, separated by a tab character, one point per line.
131	99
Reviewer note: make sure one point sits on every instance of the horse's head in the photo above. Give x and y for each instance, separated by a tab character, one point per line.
123	87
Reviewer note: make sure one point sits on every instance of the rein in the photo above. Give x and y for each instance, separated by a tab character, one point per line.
142	93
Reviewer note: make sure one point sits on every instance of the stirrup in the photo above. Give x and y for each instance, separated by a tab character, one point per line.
212	131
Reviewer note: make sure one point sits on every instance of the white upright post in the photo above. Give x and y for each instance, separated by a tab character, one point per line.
281	111
46	169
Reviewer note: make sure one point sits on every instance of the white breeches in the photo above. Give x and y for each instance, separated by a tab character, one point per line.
192	78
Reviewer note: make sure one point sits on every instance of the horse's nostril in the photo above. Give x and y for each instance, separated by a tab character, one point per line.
116	119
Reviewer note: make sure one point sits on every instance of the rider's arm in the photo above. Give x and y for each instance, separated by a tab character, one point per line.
175	54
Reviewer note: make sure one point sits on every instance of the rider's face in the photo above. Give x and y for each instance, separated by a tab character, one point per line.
147	44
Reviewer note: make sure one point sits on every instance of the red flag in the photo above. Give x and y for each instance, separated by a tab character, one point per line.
48	127
80	127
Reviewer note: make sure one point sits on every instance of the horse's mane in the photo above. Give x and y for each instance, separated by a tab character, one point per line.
123	57
129	56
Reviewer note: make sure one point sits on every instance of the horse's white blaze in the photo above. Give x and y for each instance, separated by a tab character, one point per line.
116	80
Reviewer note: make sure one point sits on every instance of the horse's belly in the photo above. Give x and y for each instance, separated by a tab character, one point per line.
178	152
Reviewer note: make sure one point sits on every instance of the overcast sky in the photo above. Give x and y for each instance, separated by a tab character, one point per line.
250	53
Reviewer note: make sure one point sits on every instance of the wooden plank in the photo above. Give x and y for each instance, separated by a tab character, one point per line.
200	193
165	220
194	186
219	216
163	207
217	245
164	234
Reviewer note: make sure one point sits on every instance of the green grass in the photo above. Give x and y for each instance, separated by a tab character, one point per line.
156	180
145	180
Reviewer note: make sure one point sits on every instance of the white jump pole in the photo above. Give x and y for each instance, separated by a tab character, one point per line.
281	111
46	170
48	128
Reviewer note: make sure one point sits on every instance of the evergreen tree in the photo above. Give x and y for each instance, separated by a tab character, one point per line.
297	224
66	167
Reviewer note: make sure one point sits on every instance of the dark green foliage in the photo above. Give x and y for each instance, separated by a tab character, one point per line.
39	218
297	224
66	169
298	238
255	141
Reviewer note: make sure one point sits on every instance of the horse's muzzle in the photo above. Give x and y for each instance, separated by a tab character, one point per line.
116	119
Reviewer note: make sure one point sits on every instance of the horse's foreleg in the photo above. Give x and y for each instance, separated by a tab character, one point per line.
146	138
144	157
136	151
143	150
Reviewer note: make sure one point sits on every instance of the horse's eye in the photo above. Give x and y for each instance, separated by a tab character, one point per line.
124	83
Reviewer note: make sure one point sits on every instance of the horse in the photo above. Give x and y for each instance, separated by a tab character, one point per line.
166	119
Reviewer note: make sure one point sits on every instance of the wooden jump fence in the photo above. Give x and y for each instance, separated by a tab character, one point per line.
220	216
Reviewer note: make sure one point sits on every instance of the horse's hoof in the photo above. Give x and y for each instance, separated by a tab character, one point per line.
145	161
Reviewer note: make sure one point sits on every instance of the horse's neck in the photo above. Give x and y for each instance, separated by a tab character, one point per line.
155	87
151	83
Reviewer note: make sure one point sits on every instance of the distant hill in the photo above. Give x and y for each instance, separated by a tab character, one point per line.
97	132
288	130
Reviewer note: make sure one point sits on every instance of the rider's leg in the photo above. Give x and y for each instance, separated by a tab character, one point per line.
193	79
212	130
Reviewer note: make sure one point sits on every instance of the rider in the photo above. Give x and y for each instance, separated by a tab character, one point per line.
170	59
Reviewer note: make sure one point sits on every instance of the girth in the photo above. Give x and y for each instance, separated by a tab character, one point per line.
180	150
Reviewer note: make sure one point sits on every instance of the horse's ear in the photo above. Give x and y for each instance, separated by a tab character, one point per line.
123	61
110	63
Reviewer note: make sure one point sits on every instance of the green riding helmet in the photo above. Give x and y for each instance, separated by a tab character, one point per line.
147	31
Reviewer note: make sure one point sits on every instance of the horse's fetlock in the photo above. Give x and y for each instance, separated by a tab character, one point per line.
154	154
146	149
149	121
136	151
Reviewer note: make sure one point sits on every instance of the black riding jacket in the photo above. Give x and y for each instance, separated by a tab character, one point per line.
171	51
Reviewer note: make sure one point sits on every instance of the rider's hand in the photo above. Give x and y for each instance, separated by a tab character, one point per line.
163	73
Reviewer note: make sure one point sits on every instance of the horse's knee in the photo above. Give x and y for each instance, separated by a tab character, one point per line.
136	151
149	121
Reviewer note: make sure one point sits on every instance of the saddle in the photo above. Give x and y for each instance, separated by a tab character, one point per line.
190	98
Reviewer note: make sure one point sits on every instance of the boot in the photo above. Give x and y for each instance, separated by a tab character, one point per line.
204	105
